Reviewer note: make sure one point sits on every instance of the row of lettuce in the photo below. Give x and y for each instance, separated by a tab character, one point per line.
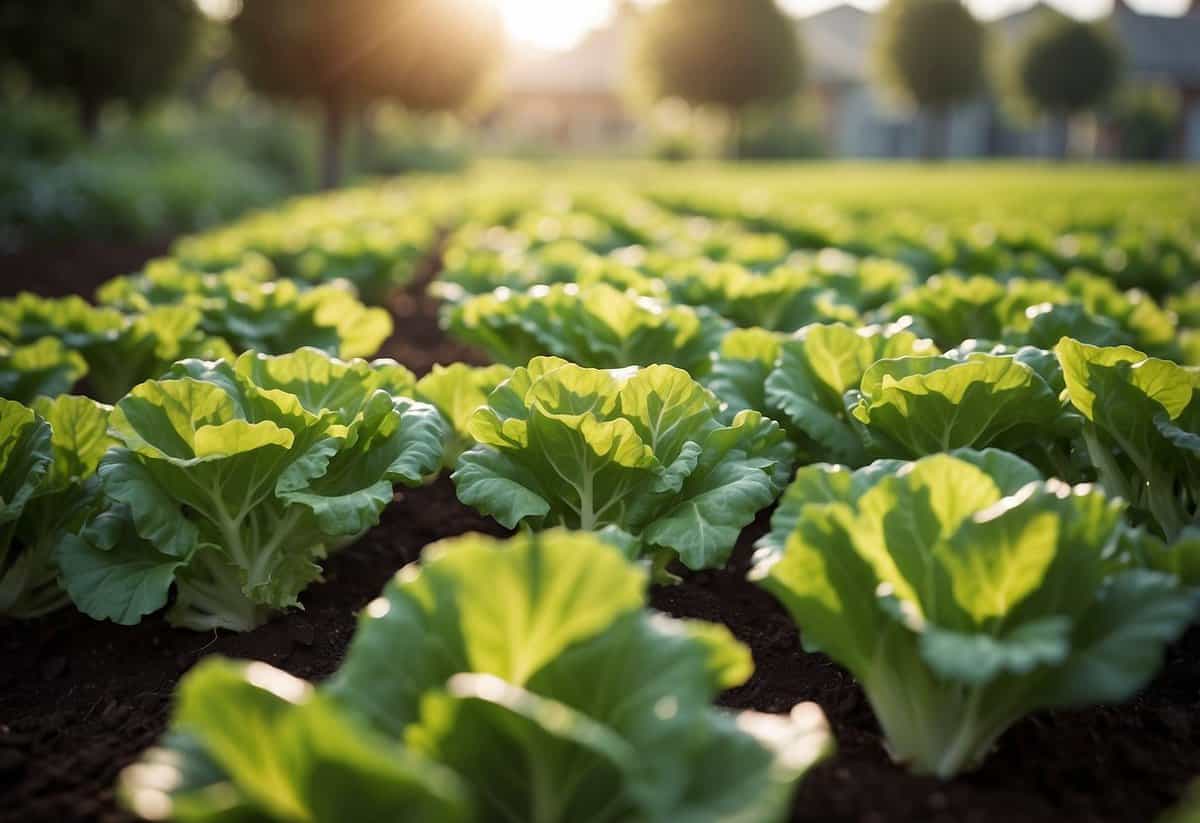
962	589
261	289
989	499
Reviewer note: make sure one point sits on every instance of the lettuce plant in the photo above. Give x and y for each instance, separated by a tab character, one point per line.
147	346
1045	324
1186	306
472	266
168	281
783	299
1152	327
1180	558
48	459
120	350
1036	312
848	394
741	368
596	326
74	321
954	308
44	367
816	368
232	480
457	391
281	316
730	243
963	592
275	317
866	283
374	238
514	680
1142	428
919	405
640	451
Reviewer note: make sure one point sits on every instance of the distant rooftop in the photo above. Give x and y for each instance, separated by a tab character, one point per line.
838	48
595	66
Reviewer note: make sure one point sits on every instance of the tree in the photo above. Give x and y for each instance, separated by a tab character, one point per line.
1067	67
424	54
1145	118
931	51
731	54
100	51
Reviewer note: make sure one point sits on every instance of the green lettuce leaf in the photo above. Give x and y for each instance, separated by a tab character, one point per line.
42	368
741	367
275	749
120	350
784	299
48	488
595	326
955	308
644	450
240	479
499	680
371	238
962	595
916	406
241	304
1142	421
457	391
815	369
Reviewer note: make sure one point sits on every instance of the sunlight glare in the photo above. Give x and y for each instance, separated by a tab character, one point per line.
553	24
220	10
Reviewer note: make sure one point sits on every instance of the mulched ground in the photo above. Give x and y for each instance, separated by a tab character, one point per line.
80	699
73	268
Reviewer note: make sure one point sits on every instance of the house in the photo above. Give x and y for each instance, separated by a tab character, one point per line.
576	100
861	119
1167	50
862	122
568	100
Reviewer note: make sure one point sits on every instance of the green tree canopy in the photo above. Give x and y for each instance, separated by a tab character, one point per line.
100	51
1146	118
1068	66
731	54
931	51
424	54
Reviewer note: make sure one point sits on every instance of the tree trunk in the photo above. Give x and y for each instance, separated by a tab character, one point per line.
736	127
1059	136
935	133
1094	138
365	161
332	138
90	109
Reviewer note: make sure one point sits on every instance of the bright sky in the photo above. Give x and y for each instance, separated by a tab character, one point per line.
560	24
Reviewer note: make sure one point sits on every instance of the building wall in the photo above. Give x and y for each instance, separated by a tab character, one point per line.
561	120
867	126
1190	149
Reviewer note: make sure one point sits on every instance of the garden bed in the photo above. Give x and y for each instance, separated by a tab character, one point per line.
80	699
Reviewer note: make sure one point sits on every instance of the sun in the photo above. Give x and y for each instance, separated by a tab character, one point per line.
552	24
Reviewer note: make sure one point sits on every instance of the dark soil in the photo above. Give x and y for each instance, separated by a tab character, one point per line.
73	268
1123	763
418	341
80	699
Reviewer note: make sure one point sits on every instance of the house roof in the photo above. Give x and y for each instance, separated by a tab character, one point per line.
595	65
1160	47
838	48
838	41
837	44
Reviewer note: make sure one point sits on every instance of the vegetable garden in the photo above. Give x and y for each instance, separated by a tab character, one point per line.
851	494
